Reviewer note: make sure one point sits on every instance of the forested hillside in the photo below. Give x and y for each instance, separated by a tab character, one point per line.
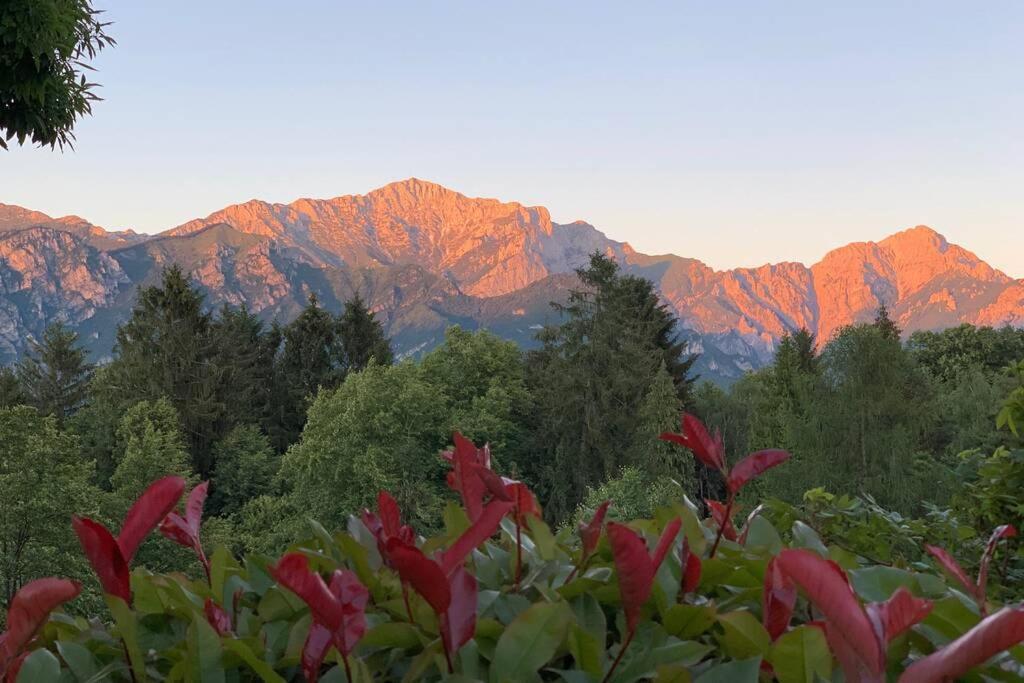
870	455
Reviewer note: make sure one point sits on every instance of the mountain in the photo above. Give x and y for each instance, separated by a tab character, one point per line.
427	257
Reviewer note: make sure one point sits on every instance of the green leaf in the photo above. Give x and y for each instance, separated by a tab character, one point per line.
745	671
204	652
81	662
801	656
806	537
128	630
547	547
744	635
689	621
586	650
672	673
878	583
42	666
392	634
530	641
259	667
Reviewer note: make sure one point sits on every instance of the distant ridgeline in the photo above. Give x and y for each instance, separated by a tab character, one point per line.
425	258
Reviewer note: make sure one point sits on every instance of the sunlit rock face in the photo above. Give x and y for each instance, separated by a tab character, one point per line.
427	257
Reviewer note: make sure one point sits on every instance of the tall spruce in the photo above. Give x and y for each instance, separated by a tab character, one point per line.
54	374
167	349
591	378
886	325
11	393
362	337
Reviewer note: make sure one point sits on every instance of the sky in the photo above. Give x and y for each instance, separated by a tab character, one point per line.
738	133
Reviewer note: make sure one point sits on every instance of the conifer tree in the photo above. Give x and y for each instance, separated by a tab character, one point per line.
11	393
54	374
362	337
886	325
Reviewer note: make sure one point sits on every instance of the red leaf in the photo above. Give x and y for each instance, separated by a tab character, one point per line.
590	533
318	642
721	520
691	568
30	609
292	571
149	510
995	633
695	437
194	507
668	537
754	465
525	503
459	622
483	528
104	554
496	485
390	513
634	567
827	587
464	476
422	573
777	601
897	614
218	618
952	567
1001	532
352	596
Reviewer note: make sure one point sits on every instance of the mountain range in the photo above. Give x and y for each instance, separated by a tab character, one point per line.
426	257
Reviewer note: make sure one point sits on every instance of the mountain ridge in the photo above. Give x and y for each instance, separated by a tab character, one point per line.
427	256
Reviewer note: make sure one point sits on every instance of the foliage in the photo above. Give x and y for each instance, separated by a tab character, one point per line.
633	493
381	429
626	602
54	374
246	467
45	48
950	353
591	378
362	337
43	481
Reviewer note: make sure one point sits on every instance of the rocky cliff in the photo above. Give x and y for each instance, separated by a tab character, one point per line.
428	257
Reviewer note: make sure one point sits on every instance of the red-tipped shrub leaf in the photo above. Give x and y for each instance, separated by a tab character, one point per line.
495	484
722	521
478	532
217	617
1001	532
150	509
897	614
459	622
389	513
194	507
464	477
104	554
777	601
952	567
422	573
634	568
318	642
525	503
590	533
352	596
754	465
691	566
29	610
292	571
995	633
828	589
695	437
665	543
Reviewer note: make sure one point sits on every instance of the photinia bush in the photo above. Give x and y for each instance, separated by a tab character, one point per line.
498	596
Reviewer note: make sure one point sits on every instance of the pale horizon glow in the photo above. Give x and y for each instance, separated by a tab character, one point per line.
738	135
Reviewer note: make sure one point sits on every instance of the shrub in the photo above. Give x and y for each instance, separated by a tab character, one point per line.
497	596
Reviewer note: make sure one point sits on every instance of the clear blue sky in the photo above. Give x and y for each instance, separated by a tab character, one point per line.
738	133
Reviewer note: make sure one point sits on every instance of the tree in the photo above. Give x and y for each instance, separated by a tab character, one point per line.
167	350
44	481
884	324
244	352
591	378
383	428
54	374
245	468
312	358
362	337
634	494
484	379
949	354
44	50
11	393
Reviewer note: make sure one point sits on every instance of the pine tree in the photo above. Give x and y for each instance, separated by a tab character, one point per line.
54	374
362	337
659	413
886	325
167	349
11	393
244	353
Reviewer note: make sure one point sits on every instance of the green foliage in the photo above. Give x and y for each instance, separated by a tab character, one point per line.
948	354
54	374
381	429
11	392
362	337
591	378
634	495
246	467
44	52
44	481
